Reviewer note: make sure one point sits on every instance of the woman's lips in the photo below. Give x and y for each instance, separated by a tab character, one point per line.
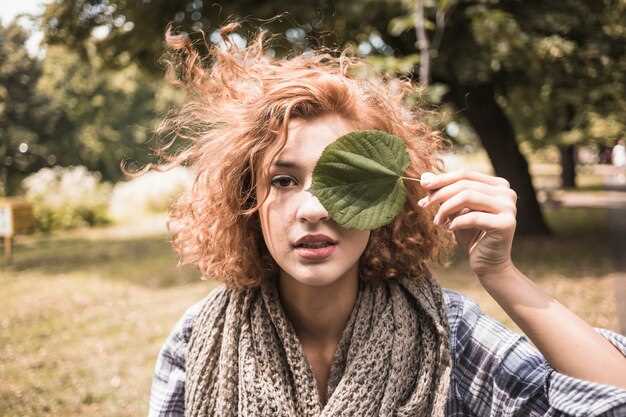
315	253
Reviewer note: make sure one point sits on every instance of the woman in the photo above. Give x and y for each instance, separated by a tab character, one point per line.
316	319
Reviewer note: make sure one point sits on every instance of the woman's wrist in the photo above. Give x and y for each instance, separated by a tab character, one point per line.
504	271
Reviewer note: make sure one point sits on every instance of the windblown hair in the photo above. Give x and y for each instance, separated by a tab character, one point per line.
239	101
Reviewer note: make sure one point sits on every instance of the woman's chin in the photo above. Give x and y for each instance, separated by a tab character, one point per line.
316	281
312	279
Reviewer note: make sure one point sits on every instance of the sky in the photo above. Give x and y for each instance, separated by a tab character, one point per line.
10	8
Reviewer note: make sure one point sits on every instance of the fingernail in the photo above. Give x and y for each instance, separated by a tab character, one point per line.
427	178
422	202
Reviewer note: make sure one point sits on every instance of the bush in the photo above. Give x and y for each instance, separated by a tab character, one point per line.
66	197
153	192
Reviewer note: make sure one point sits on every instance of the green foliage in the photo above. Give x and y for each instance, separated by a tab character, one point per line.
358	179
64	198
534	71
110	114
557	67
72	109
25	118
573	73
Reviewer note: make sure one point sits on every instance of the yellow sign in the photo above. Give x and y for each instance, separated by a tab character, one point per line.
16	216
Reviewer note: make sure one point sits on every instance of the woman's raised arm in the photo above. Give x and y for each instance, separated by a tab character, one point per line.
473	202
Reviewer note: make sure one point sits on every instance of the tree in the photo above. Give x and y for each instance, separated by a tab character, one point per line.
66	110
525	71
110	113
24	114
487	54
572	90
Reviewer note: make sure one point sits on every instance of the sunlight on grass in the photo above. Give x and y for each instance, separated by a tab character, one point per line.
77	344
84	314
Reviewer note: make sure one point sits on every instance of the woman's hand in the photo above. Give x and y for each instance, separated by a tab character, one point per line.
481	211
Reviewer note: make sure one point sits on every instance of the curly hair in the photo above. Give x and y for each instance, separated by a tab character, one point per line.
239	101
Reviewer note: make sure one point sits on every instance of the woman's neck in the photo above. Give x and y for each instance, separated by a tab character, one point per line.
319	314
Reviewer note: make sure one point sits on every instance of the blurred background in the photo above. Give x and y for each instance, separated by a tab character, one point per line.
531	91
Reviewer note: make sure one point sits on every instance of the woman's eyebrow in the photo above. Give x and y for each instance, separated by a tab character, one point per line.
285	164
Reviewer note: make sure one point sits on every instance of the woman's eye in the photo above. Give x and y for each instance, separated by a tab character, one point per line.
282	181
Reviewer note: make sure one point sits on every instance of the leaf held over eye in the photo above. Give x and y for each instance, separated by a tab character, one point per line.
358	179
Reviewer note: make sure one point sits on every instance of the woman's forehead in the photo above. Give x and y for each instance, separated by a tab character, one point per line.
307	137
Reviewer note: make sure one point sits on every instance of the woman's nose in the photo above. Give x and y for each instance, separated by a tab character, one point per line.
310	209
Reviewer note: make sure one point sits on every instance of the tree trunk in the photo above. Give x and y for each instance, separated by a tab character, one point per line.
5	179
568	166
478	104
9	180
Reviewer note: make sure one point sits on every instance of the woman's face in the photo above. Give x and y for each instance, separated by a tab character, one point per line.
290	212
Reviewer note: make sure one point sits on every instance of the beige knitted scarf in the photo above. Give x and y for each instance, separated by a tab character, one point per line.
393	359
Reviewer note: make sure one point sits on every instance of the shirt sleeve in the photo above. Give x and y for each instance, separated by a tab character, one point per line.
167	394
498	372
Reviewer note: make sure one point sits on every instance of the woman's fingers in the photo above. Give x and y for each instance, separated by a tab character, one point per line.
460	193
432	182
485	221
473	200
448	191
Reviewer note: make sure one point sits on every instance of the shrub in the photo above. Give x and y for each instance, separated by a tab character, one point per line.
153	192
66	197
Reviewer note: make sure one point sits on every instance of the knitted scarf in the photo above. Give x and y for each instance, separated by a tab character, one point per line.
393	358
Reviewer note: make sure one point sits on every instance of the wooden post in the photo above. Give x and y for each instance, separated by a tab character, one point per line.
8	246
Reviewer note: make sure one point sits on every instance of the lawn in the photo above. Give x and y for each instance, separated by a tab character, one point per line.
84	314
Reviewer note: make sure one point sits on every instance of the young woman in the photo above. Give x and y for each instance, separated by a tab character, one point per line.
316	319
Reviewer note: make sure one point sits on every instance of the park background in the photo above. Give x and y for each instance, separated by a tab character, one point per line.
532	91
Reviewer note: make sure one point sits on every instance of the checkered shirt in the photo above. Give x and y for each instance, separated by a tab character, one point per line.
496	372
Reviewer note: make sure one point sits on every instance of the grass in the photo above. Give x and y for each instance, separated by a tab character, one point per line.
82	319
84	313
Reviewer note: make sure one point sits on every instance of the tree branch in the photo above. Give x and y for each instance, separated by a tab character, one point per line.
422	43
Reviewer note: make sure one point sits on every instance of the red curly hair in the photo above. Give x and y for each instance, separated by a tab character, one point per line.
239	101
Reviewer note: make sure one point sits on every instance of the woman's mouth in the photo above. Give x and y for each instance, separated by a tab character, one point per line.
315	251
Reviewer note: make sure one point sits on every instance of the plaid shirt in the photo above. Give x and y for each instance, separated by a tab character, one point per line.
496	372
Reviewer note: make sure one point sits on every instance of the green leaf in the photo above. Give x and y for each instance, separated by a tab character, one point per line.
358	179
